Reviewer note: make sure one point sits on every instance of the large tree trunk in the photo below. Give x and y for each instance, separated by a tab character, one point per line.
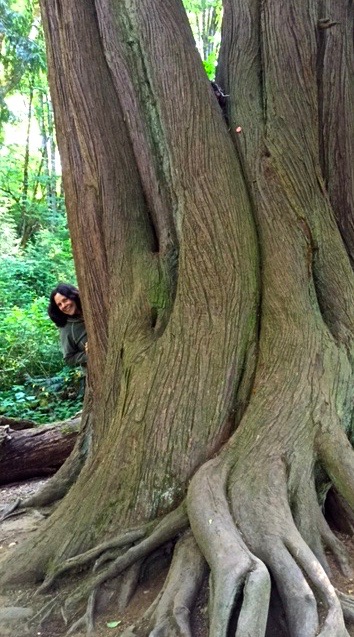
218	296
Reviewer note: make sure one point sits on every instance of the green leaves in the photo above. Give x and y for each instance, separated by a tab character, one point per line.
23	44
44	399
210	65
113	624
35	249
29	342
205	18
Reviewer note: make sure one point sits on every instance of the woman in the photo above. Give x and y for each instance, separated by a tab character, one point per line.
65	311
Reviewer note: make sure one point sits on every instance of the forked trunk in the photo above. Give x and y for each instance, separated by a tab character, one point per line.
218	296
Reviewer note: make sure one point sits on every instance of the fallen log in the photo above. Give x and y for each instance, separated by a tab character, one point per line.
35	452
16	423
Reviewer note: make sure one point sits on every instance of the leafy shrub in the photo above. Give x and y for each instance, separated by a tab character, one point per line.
210	65
33	382
28	344
34	272
45	399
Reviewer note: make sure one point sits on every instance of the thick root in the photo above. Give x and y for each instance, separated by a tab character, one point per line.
11	510
188	569
242	549
127	586
338	461
347	604
173	524
298	599
334	623
336	547
309	520
233	567
275	542
170	613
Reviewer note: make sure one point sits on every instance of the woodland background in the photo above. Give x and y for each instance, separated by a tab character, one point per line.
35	249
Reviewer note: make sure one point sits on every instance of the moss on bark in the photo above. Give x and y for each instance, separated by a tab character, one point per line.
249	383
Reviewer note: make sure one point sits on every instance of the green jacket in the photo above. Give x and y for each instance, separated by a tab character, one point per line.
72	339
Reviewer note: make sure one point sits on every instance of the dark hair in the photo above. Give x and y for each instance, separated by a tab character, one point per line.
72	293
221	97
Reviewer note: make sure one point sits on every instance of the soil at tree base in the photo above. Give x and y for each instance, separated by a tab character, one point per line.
17	529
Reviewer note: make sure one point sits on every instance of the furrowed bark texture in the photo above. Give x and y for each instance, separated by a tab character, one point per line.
229	320
336	102
178	343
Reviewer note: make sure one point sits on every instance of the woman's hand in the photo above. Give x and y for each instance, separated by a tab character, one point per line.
86	347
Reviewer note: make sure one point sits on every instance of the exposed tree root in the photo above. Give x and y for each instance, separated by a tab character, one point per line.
336	547
174	523
308	519
233	567
44	612
280	536
127	586
128	563
334	623
276	543
78	625
347	603
240	553
241	549
172	614
338	461
169	614
10	509
83	559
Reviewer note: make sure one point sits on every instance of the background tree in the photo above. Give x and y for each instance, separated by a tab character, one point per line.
205	19
22	50
218	296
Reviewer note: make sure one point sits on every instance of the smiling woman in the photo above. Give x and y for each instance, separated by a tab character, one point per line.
65	311
65	305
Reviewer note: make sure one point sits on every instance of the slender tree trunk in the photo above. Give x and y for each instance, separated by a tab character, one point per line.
52	150
44	145
25	225
218	296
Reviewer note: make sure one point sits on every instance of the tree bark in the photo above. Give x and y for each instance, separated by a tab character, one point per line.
25	226
219	307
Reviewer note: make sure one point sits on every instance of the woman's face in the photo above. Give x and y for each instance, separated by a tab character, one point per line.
65	305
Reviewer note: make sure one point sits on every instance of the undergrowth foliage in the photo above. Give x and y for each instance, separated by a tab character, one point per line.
44	399
33	380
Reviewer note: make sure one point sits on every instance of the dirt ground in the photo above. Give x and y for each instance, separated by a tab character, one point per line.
18	528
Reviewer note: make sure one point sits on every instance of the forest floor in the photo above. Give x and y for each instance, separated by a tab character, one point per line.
16	529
